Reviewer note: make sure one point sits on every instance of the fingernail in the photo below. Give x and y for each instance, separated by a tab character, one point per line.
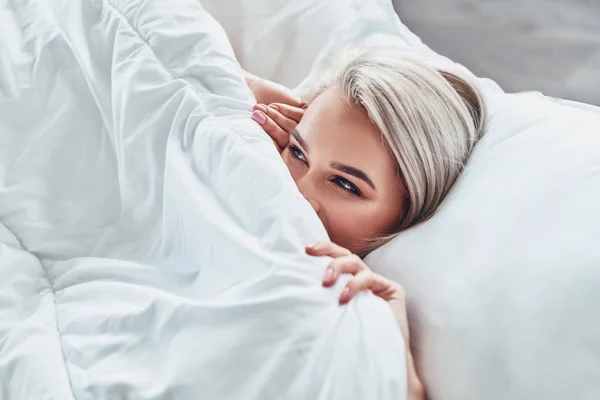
259	117
274	107
313	246
261	107
328	275
345	294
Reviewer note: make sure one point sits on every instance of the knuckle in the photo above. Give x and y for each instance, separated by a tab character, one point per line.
342	251
274	114
272	117
324	247
367	278
354	287
354	284
359	283
279	118
342	265
358	262
335	264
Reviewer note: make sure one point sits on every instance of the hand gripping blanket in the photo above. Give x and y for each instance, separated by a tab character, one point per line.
151	239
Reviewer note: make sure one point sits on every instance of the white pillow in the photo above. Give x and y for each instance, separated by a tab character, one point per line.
290	42
504	282
281	39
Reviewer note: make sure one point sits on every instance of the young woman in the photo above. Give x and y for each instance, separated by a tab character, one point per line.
374	150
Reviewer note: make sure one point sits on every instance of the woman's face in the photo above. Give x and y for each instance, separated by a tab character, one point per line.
343	168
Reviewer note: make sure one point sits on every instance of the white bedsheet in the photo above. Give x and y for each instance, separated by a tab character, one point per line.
151	239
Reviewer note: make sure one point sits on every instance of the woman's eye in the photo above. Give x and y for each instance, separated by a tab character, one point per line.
297	153
346	185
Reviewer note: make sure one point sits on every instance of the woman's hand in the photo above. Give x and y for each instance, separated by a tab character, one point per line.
267	92
277	120
278	110
344	262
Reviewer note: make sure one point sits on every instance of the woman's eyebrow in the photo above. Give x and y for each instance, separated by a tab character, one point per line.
302	142
354	172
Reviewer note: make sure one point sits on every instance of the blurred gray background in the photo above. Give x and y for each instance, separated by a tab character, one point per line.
552	46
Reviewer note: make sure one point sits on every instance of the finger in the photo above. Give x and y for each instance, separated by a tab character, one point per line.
351	264
380	286
287	124
284	122
279	136
327	249
364	280
295	113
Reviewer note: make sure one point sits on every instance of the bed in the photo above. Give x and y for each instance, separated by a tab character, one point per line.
151	239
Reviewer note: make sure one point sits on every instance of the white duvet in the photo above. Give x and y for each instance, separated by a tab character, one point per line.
151	239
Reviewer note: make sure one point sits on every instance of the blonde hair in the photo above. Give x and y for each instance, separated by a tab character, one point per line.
429	118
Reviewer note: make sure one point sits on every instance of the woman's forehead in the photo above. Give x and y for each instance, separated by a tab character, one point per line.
344	133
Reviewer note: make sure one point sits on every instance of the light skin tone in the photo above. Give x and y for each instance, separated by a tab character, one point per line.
343	168
341	165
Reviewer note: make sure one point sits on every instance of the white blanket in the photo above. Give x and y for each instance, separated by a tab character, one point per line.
151	239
